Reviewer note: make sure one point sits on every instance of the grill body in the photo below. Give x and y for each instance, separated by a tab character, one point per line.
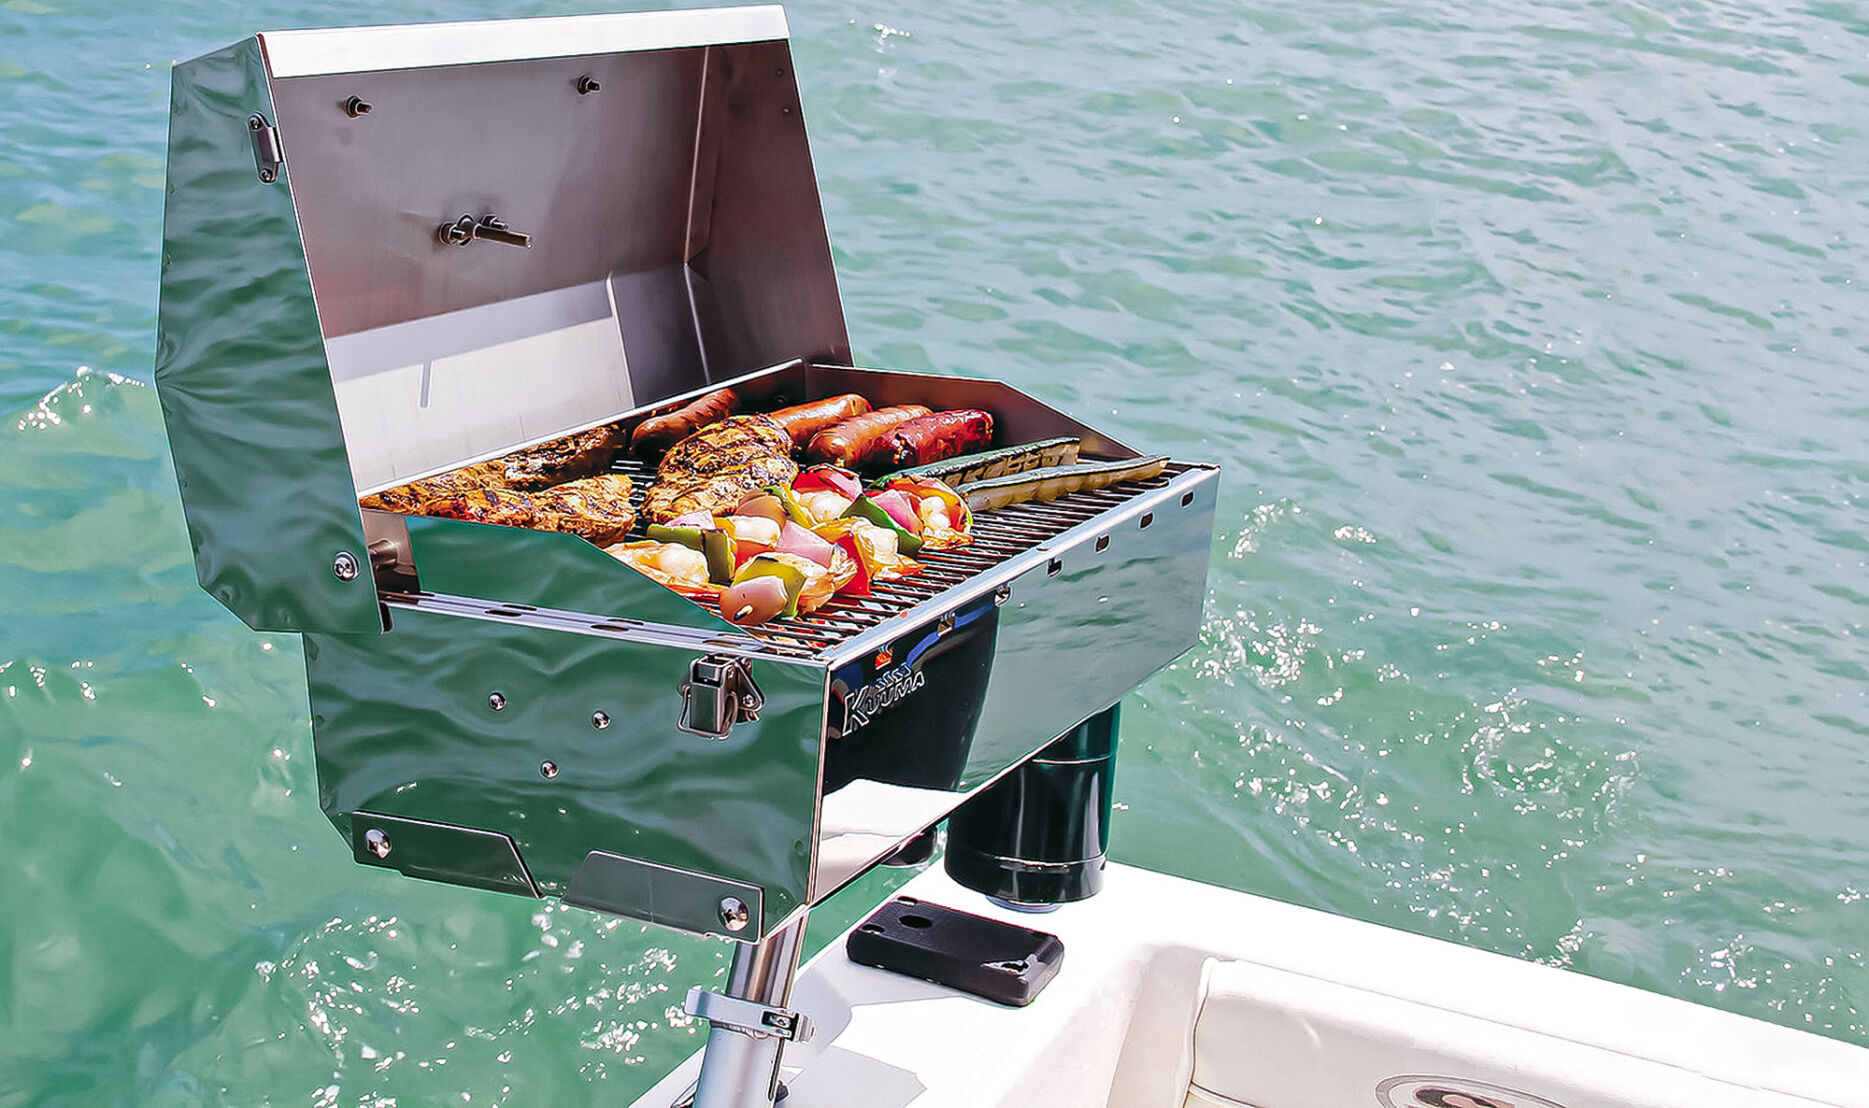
514	710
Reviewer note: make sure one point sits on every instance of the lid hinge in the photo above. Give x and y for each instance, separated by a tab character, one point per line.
267	157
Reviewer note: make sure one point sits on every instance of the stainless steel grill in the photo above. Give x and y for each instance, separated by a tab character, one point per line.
542	226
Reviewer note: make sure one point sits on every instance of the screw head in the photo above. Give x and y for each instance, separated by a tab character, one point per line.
600	720
376	842
734	915
345	566
496	701
548	769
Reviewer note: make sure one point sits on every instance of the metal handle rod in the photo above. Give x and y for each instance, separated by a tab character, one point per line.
467	229
495	231
739	1070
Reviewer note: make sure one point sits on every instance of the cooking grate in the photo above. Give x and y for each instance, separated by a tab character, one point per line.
997	536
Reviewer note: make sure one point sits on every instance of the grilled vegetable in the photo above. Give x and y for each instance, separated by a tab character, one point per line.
819	494
996	463
755	600
849	443
941	516
657	433
875	548
715	468
763	505
805	543
1056	481
866	508
801	421
567	458
717	546
792	571
936	436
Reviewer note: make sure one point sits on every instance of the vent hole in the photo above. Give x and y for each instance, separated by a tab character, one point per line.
1103	543
1147	518
872	928
1186	499
1056	567
920	923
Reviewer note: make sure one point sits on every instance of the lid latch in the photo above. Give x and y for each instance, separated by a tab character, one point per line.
719	693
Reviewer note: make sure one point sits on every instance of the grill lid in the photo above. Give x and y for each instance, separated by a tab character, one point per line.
401	249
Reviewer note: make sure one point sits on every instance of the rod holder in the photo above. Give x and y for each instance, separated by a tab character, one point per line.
469	228
1037	838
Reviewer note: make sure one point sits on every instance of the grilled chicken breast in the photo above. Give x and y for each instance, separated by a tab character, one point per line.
714	468
567	458
408	499
595	508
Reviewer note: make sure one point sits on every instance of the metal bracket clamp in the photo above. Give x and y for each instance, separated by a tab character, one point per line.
749	1018
719	693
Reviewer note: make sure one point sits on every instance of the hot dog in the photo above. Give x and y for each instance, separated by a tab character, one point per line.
657	433
849	443
802	421
933	438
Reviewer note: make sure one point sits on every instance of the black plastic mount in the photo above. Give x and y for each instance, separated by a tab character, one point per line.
1001	962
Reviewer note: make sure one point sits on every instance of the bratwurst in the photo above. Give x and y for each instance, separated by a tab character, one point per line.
938	437
802	421
852	442
657	433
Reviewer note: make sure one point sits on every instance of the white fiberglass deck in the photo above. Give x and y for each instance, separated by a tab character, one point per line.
1174	994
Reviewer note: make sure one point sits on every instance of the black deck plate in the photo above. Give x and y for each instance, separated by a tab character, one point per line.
1001	962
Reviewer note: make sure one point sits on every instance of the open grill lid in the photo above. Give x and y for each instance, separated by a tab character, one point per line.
389	251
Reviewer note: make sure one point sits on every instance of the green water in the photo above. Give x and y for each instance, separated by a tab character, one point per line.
1531	337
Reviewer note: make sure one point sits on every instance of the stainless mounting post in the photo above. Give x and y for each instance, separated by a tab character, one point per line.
750	1025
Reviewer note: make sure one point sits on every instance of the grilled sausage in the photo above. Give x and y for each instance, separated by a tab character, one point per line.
801	421
849	443
657	433
936	437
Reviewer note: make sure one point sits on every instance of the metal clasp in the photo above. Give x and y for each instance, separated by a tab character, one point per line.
748	1017
719	693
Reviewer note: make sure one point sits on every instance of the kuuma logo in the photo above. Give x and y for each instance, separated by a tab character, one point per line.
888	689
